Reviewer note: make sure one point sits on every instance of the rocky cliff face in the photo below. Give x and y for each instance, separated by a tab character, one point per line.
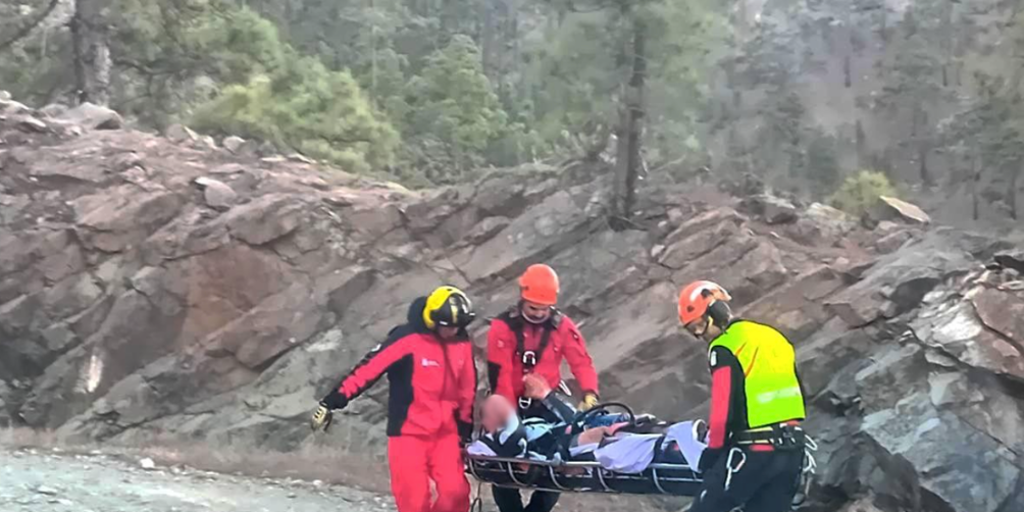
153	289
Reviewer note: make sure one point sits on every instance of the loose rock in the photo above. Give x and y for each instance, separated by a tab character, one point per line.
218	195
179	133
233	144
93	117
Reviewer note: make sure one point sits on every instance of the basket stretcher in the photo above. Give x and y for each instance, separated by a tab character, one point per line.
583	476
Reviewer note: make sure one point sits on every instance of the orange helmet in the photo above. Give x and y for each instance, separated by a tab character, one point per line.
539	284
697	297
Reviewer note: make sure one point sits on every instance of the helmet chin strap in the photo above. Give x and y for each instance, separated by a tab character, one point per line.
530	319
534	321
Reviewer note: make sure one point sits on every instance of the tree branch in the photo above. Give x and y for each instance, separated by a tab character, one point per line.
29	27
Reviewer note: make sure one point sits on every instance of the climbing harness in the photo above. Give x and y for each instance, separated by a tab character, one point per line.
530	358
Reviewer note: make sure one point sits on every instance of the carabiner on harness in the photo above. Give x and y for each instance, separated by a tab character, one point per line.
733	469
529	359
525	403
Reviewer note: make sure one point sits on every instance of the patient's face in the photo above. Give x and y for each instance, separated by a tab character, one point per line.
497	411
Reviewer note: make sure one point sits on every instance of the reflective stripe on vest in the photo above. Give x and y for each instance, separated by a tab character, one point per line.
769	369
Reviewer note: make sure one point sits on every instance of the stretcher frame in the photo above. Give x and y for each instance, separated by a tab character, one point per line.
583	476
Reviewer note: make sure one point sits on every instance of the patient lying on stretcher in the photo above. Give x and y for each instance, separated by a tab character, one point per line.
610	439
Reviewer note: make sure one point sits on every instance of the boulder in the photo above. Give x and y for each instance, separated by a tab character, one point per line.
897	208
112	222
5	96
930	441
772	209
31	124
485	229
54	110
233	144
267	218
218	195
821	223
954	328
1011	259
893	241
94	117
11	107
557	221
1002	312
299	157
206	142
179	133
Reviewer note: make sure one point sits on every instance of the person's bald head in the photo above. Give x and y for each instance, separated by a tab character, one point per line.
497	411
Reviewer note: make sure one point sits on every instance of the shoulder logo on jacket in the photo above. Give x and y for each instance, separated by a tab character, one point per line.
428	363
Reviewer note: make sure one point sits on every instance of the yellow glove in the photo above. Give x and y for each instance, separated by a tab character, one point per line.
321	418
590	400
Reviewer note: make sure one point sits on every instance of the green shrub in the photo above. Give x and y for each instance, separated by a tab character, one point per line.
453	114
307	108
860	192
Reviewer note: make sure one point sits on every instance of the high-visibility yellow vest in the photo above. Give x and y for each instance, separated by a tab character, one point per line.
769	368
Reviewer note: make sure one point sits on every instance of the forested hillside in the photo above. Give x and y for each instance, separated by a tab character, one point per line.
794	93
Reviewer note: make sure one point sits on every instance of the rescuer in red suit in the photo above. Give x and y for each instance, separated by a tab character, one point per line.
429	364
534	337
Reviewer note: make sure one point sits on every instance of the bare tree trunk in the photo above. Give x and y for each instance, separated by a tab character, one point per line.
922	162
373	52
946	42
862	143
92	60
1011	192
975	185
847	78
631	113
488	49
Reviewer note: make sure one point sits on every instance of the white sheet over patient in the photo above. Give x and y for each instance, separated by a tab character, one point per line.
630	453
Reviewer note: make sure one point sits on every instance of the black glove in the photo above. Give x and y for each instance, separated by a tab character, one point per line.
465	432
335	400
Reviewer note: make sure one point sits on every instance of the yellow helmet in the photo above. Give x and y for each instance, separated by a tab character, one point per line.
448	306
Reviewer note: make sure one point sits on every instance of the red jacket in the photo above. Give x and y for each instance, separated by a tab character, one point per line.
433	382
505	365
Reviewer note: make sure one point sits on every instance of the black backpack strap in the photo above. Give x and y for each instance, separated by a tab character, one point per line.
512	447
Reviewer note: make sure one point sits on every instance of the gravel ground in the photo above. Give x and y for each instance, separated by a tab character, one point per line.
44	481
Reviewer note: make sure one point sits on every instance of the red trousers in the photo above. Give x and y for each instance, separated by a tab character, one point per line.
415	461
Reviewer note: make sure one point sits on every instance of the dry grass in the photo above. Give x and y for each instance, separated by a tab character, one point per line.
12	437
309	463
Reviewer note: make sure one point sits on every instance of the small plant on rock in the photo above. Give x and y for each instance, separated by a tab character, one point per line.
860	192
